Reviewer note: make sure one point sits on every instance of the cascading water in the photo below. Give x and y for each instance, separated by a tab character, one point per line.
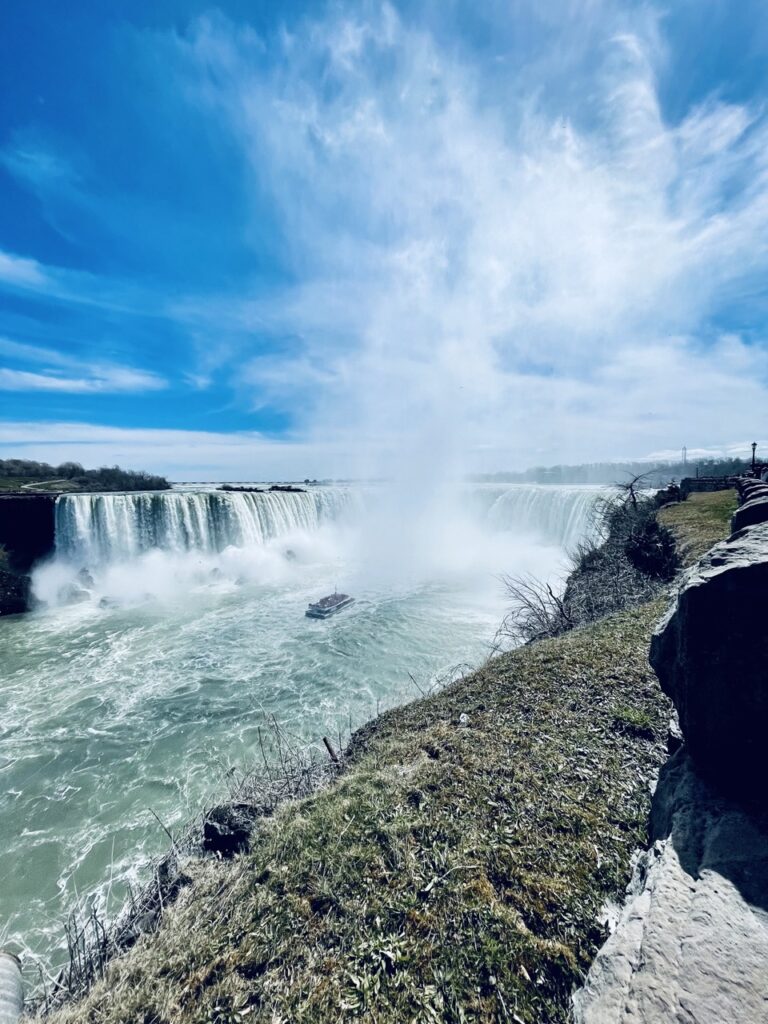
172	626
104	527
99	528
559	515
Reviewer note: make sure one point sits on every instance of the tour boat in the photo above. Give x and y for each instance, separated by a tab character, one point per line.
328	606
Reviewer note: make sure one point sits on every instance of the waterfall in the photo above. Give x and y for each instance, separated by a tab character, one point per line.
98	528
558	514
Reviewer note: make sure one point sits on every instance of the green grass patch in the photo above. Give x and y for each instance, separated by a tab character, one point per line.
699	522
635	721
30	485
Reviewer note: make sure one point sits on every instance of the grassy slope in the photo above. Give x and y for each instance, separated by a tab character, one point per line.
453	873
699	522
24	483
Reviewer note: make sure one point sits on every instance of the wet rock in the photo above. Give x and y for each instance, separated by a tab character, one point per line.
73	593
675	738
227	829
14	593
27	528
708	653
85	578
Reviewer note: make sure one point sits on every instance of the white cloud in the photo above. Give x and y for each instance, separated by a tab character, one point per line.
503	269
16	270
102	380
32	353
179	454
89	378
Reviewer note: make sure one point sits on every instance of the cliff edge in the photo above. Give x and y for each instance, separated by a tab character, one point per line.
691	943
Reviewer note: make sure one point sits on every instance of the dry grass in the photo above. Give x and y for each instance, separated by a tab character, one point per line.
454	872
699	522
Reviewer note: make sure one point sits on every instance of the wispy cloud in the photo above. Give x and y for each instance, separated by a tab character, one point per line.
83	378
101	381
181	454
512	264
16	270
529	248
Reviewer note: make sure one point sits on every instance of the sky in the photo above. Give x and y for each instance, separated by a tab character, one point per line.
257	240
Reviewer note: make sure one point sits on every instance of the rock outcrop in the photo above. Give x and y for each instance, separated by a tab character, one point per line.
27	528
709	654
751	512
691	944
227	828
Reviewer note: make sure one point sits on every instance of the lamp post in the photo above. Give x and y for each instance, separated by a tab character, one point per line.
754	447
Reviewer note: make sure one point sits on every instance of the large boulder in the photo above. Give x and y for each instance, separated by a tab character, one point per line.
754	510
709	652
14	593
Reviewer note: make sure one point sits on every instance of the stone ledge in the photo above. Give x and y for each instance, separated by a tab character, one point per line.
691	943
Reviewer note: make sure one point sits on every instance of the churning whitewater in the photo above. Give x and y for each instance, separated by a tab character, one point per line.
171	626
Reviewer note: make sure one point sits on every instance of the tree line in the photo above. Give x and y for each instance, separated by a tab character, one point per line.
615	472
106	478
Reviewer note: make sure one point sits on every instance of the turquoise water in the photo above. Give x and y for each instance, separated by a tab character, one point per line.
139	696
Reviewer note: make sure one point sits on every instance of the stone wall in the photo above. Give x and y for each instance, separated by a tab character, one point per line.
691	485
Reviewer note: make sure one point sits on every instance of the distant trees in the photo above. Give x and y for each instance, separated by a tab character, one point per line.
113	478
609	472
107	478
25	467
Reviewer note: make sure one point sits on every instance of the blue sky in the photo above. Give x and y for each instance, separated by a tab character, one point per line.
261	239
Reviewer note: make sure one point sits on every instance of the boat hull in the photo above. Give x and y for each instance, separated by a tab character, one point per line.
325	613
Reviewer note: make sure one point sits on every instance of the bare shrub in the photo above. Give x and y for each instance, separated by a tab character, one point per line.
537	612
625	561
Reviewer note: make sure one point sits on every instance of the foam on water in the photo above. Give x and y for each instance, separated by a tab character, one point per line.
138	685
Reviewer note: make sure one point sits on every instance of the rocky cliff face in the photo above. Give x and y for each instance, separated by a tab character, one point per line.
691	943
27	530
709	655
14	593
